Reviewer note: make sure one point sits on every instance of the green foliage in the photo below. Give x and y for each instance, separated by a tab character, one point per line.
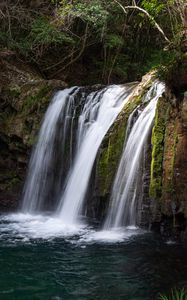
113	41
170	65
154	7
120	67
44	32
175	295
60	33
43	35
92	12
160	60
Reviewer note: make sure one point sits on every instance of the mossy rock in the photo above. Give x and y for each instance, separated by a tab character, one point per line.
29	103
157	141
111	149
171	141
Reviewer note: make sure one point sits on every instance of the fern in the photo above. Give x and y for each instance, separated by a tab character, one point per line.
175	295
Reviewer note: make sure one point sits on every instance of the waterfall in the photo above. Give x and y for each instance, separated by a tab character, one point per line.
125	195
98	114
61	163
41	174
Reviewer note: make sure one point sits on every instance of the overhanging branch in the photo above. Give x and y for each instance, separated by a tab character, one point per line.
124	8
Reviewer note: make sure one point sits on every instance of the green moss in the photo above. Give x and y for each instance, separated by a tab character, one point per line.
109	158
174	146
158	133
170	147
8	122
9	180
36	99
110	151
111	148
25	121
32	140
14	91
184	112
13	183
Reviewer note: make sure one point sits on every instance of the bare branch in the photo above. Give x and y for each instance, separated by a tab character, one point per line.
80	53
124	8
2	13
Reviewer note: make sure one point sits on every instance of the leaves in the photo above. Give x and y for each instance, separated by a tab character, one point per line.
43	31
175	295
60	32
154	7
94	13
114	41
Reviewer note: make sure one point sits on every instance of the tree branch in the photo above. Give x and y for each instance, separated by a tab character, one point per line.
80	53
147	14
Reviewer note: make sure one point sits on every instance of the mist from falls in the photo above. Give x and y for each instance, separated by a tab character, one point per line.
125	192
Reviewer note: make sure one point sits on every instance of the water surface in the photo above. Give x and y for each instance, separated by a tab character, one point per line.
41	258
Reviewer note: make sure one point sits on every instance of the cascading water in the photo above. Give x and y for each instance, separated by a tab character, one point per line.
98	114
122	210
41	174
62	161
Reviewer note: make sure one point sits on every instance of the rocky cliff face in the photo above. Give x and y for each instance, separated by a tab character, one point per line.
168	185
24	99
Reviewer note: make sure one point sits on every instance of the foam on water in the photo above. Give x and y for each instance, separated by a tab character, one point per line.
37	226
27	227
112	236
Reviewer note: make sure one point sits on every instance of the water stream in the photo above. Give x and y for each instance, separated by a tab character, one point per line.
42	260
125	192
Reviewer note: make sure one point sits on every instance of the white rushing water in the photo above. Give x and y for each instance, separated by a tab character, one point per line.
39	174
61	163
26	228
98	114
122	209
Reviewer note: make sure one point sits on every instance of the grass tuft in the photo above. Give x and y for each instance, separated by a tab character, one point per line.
180	294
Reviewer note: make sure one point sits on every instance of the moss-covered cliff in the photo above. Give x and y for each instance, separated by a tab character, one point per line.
158	147
168	168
